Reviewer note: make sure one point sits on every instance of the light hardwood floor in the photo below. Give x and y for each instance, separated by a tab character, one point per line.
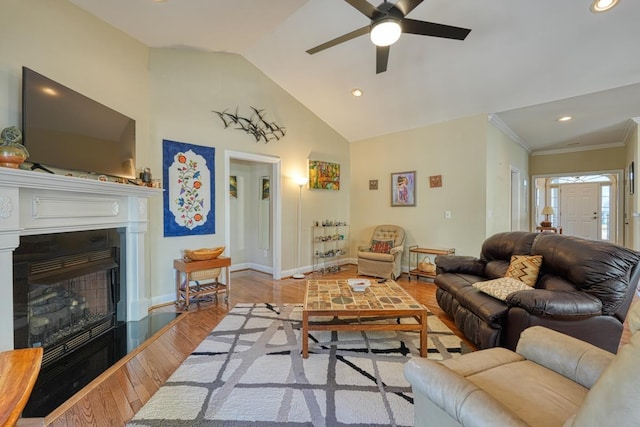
113	398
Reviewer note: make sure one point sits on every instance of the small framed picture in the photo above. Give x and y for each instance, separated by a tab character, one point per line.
435	181
403	188
373	184
233	187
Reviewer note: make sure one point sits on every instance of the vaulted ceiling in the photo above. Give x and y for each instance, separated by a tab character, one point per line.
525	63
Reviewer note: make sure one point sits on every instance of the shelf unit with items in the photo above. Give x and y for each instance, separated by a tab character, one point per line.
330	245
430	253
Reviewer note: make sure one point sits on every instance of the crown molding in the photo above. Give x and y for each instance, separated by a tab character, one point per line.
631	126
502	126
575	149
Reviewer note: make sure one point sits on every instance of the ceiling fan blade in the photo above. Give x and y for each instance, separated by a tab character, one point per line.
407	6
352	35
382	58
364	7
423	28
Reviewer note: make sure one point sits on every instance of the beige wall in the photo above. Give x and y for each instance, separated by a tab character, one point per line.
578	161
179	89
503	157
456	150
186	86
72	47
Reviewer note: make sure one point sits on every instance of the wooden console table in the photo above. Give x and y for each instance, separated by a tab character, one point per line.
416	250
184	271
549	229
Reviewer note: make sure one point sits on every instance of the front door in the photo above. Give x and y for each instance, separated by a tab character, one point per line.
580	211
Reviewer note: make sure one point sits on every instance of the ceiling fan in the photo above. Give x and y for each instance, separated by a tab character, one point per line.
388	22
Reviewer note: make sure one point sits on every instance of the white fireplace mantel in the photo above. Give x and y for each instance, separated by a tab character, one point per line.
41	203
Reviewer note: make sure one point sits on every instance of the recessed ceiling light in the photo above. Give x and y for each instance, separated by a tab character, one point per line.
356	92
564	118
600	6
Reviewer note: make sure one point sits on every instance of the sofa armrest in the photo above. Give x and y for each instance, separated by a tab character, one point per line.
364	247
462	400
459	264
577	360
557	304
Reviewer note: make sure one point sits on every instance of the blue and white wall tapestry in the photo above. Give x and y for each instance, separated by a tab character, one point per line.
189	176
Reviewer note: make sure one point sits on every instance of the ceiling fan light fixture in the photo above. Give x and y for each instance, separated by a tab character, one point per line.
385	32
599	6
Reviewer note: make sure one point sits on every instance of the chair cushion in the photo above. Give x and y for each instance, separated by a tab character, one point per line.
525	268
502	287
381	246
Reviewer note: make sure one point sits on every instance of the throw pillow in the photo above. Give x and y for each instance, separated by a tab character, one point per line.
525	268
381	246
502	287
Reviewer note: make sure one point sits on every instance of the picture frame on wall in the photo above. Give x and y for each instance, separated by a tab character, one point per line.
233	187
323	175
403	189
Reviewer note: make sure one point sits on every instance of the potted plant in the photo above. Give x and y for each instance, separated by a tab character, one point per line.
12	152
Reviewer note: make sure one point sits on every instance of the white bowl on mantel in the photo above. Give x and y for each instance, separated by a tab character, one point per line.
359	285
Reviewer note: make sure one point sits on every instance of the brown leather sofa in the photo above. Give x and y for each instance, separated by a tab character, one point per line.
584	289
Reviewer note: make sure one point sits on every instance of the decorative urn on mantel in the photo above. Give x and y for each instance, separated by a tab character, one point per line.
12	152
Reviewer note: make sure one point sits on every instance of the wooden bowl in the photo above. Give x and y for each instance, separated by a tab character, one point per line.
204	254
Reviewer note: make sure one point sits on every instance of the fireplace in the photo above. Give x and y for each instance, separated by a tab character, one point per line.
66	287
34	204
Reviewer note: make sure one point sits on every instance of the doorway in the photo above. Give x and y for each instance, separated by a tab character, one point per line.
587	205
253	212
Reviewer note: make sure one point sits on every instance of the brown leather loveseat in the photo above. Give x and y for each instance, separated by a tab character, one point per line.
583	288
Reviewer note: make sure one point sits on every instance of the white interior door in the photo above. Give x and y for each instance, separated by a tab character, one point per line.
580	211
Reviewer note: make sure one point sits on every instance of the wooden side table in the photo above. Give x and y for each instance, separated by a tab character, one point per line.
185	290
549	229
416	250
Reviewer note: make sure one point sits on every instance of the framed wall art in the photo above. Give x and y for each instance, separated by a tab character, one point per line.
373	184
265	187
403	188
188	172
233	186
324	175
435	181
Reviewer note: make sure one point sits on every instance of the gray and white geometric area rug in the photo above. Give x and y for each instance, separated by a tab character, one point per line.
250	372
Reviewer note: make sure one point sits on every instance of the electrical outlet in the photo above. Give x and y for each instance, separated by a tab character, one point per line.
265	253
447	214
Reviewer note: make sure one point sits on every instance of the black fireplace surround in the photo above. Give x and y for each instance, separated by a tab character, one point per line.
67	288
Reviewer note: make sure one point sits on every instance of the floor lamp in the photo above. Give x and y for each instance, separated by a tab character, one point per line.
301	182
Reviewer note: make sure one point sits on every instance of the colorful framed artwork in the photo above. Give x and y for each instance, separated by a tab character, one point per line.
233	186
403	188
265	188
188	172
324	175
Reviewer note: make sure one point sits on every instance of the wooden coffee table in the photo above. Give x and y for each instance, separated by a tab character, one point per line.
335	298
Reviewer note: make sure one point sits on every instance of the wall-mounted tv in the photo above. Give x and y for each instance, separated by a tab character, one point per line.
67	130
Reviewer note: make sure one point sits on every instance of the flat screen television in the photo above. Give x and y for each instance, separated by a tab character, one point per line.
66	130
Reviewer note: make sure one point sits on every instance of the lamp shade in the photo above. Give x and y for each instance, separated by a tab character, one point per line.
385	32
548	210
